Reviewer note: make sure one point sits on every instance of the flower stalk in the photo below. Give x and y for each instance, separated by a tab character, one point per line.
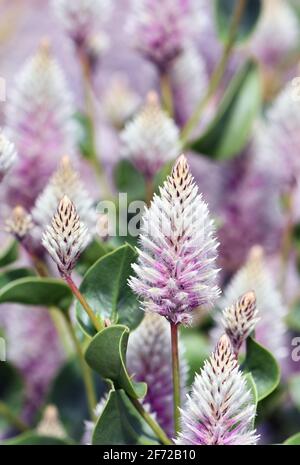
176	376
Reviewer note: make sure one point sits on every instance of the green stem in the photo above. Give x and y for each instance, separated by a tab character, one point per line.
6	412
97	322
176	375
166	93
86	372
152	423
90	111
217	74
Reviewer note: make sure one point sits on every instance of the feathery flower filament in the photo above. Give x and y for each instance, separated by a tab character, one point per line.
176	274
220	409
8	155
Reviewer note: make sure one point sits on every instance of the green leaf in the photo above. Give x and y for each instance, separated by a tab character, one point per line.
224	10
30	438
293	318
37	291
293	440
68	394
263	367
11	275
106	290
230	129
106	354
196	351
294	390
128	179
11	391
91	254
162	175
121	424
9	254
85	143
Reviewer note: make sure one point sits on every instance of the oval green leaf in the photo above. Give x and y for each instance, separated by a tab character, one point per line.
9	254
128	179
12	391
224	10
106	290
106	354
230	129
11	275
31	438
293	440
46	292
121	424
263	367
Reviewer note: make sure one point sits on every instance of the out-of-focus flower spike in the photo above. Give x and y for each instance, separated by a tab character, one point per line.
240	319
220	409
40	122
81	18
270	330
176	275
160	29
64	181
120	101
66	237
19	224
151	139
8	155
149	360
50	424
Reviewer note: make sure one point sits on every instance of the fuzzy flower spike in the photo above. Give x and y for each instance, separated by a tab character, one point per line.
240	319
151	139
176	275
66	237
19	223
220	409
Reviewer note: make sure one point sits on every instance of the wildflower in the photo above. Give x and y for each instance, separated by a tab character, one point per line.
176	274
64	181
19	224
8	155
240	319
50	424
149	360
220	409
270	330
66	237
160	29
120	102
151	139
81	18
39	121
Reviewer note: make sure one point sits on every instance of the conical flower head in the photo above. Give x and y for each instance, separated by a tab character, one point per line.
151	139
176	275
149	360
8	155
19	223
50	424
40	122
64	181
220	409
81	18
240	319
66	237
270	330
